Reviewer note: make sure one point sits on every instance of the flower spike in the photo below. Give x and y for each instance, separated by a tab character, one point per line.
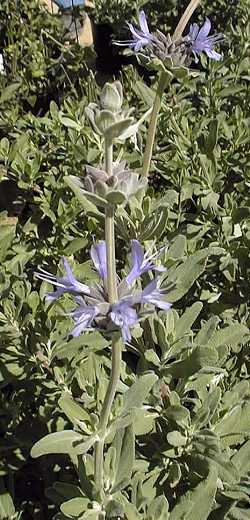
92	306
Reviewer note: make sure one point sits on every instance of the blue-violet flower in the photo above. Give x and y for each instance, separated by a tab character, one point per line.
141	37
201	42
141	263
64	284
93	308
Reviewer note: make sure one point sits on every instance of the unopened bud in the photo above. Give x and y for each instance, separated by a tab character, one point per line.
101	189
112	181
111	97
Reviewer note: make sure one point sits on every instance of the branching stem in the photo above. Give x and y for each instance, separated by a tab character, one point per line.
193	4
163	81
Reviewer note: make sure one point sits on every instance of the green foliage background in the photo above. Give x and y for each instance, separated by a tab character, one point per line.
192	446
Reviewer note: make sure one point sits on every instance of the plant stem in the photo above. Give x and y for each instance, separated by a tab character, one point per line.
108	157
116	341
110	247
163	81
108	401
193	4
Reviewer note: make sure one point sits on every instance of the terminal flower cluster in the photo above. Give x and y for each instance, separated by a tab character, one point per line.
93	309
159	45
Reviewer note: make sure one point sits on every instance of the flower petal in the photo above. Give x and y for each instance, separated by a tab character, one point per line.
153	296
143	22
83	317
66	283
193	31
99	259
124	316
205	30
68	270
213	54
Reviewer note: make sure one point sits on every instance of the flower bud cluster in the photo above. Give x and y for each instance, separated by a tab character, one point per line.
166	54
116	188
108	118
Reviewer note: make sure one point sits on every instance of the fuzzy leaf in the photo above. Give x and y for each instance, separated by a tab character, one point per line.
88	200
7	509
74	507
230	336
185	275
197	504
158	509
199	358
72	409
186	321
58	442
137	393
124	444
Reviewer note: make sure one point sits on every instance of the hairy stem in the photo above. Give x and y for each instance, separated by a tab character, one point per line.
116	341
110	247
163	81
106	409
108	157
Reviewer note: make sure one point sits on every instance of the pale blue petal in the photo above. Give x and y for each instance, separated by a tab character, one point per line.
213	54
205	30
98	254
193	31
124	316
143	22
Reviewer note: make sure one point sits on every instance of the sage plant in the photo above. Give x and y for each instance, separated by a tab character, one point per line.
114	305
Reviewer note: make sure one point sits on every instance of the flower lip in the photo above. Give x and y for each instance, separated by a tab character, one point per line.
124	316
66	283
154	296
98	255
83	316
142	263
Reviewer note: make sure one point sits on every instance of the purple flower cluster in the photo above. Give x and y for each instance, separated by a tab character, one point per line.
196	42
93	308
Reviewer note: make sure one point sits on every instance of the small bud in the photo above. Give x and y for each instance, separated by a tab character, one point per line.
112	181
111	97
96	174
101	189
115	197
